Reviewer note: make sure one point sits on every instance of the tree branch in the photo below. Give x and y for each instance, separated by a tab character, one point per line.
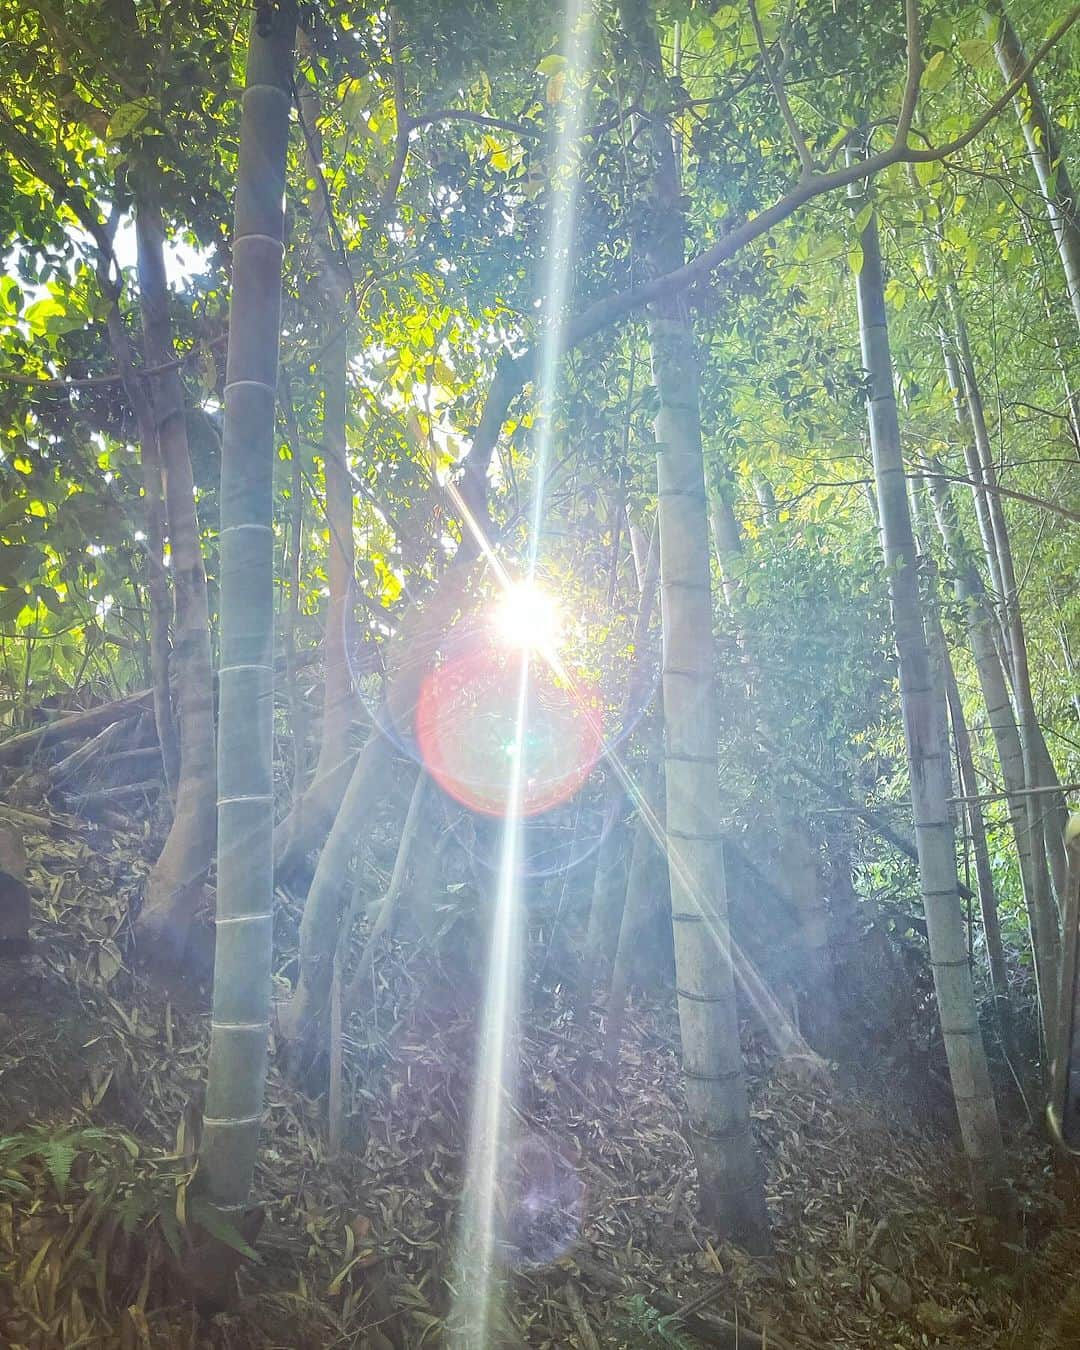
402	122
1041	502
606	311
476	119
777	86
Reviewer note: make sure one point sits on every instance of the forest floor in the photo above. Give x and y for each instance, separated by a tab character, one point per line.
876	1245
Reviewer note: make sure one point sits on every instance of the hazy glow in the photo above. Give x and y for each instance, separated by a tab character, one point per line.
527	617
476	1315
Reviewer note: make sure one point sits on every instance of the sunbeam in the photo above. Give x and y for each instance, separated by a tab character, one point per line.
476	1307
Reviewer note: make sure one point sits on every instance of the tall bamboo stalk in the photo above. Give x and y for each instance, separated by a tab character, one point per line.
1039	771
941	660
928	758
245	873
730	1191
1042	921
964	421
1026	762
1044	151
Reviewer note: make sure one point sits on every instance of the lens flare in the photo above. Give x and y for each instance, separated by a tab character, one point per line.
527	617
467	719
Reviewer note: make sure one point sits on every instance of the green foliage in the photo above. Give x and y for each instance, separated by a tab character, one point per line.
649	1328
444	272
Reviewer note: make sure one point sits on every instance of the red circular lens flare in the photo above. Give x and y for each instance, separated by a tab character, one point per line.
466	726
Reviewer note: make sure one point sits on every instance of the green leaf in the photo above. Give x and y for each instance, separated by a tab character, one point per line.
552	65
940	32
127	117
215	1223
976	52
40	312
939	71
59	1157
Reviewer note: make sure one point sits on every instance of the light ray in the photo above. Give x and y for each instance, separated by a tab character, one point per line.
475	1310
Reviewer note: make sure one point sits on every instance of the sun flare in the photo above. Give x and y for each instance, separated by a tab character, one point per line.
527	617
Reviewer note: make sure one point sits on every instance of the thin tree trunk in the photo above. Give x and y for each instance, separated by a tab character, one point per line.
175	884
1044	151
727	541
639	547
965	421
1038	768
298	709
1072	399
245	866
346	997
610	881
928	760
1042	921
766	497
730	1191
311	816
386	915
635	907
153	514
412	651
984	878
968	783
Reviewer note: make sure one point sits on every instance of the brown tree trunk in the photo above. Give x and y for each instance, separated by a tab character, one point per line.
176	881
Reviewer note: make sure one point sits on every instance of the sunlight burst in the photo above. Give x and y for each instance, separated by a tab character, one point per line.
527	617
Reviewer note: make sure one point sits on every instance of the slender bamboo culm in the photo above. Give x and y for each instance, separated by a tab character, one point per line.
241	1010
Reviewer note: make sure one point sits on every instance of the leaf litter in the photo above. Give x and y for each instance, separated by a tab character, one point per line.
100	1088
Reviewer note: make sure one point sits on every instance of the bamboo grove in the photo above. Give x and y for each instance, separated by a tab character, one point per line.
775	310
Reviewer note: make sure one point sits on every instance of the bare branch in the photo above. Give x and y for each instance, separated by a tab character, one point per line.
1041	502
477	119
914	73
777	86
94	381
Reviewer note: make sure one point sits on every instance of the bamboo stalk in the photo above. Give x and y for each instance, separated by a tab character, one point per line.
241	1010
